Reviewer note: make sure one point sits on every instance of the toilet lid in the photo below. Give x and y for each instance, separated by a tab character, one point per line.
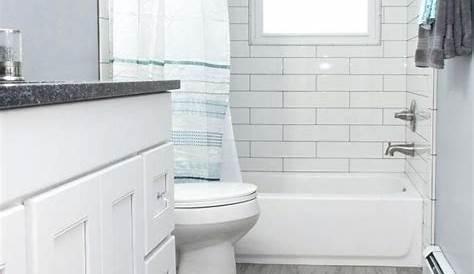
194	195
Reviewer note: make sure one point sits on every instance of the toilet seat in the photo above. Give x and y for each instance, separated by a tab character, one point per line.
202	195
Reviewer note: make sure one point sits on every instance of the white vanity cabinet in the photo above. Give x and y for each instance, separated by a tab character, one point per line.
159	206
105	205
12	241
121	207
63	229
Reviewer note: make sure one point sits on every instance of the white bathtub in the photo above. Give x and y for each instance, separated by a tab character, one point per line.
334	219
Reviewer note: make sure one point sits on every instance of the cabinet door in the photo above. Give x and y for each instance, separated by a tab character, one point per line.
122	218
63	229
163	259
12	241
158	193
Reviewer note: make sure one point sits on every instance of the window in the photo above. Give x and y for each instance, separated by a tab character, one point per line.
310	22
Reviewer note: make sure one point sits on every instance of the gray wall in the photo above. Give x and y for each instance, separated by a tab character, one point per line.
59	37
454	183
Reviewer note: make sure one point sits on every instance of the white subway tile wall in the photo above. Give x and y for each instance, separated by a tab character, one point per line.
319	108
421	88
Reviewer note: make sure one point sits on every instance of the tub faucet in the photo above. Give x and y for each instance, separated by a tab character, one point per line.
407	149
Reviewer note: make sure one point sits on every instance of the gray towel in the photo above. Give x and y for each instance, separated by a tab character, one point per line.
450	36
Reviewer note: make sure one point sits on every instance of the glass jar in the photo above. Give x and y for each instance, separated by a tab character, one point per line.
10	55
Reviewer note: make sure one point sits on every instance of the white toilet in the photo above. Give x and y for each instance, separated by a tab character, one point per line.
210	219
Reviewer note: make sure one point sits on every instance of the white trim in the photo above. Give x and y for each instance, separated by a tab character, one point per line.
258	38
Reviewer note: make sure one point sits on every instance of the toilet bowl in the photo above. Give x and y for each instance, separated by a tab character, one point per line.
210	219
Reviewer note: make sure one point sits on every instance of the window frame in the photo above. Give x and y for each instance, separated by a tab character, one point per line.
257	37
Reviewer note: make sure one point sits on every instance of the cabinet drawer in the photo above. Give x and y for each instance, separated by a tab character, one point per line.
163	260
12	241
158	195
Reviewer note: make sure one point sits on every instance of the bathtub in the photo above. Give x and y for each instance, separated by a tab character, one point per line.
334	219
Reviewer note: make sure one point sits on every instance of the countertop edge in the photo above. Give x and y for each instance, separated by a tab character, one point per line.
15	96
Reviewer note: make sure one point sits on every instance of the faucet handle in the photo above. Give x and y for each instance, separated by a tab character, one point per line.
405	115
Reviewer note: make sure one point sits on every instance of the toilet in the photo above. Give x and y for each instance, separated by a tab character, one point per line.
210	219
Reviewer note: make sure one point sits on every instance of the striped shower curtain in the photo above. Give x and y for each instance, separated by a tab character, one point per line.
186	40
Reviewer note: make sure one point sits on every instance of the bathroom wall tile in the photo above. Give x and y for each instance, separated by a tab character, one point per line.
316	165
349	150
316	65
377	165
281	116
239	49
258	132
377	99
350	82
411	47
238	15
283	51
420	84
316	133
412	12
402	3
395	15
394	48
283	149
316	99
349	116
378	65
256	99
240	115
397	32
283	82
423	169
239	82
256	65
394	82
239	32
378	133
350	51
261	164
422	186
243	148
238	3
412	31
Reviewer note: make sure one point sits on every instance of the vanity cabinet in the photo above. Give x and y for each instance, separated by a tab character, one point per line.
12	241
163	260
159	206
121	207
64	229
102	202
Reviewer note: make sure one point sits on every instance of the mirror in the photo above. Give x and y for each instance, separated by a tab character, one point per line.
105	38
60	37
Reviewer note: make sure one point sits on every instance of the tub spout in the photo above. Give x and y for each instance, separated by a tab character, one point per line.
407	149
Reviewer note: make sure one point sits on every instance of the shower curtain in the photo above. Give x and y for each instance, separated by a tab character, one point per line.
186	40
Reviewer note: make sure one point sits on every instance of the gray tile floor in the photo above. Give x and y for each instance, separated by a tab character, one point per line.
306	269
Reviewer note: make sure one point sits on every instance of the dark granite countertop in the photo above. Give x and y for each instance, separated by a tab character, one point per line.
20	95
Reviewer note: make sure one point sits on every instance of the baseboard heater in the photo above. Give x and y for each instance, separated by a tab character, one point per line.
436	261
